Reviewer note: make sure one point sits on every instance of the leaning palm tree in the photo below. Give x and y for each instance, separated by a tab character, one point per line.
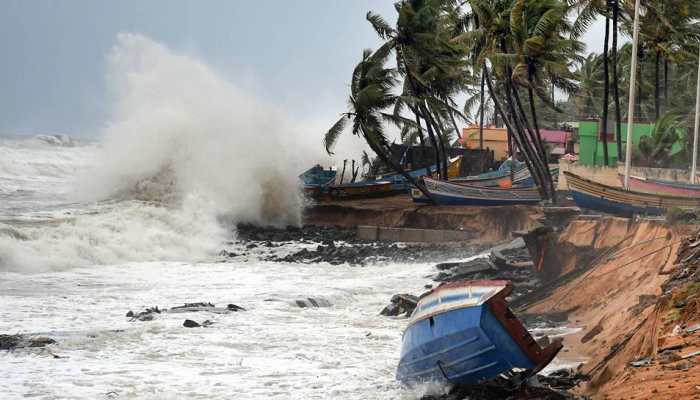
431	66
370	95
492	47
542	58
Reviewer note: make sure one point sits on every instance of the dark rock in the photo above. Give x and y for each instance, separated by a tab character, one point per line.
340	246
146	315
400	304
193	305
235	308
190	324
312	302
11	342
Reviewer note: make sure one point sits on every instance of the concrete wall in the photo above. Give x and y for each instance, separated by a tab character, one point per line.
611	175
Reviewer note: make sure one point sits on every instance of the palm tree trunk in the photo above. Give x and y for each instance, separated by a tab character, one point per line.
520	136
523	144
665	84
657	86
509	127
354	171
606	92
437	125
532	141
640	64
422	143
481	113
454	124
616	81
533	111
539	163
342	174
431	136
511	153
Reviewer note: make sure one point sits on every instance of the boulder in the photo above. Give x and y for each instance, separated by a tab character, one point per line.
190	324
400	304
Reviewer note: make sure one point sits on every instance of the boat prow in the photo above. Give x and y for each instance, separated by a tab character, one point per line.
464	333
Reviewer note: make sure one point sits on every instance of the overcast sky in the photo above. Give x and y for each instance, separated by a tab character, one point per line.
294	54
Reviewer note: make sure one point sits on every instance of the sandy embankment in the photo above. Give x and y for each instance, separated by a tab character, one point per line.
617	300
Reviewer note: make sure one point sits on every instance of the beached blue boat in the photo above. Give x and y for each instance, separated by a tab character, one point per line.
316	180
318	176
464	333
401	184
614	200
461	194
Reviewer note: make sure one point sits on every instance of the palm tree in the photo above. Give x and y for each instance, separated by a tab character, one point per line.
431	66
655	150
615	8
489	43
589	75
542	57
370	95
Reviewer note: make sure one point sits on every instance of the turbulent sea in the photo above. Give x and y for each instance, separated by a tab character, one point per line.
137	216
71	270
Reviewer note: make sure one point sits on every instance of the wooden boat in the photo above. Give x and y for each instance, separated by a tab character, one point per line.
402	185
464	333
521	179
361	190
447	193
316	180
659	186
502	171
596	196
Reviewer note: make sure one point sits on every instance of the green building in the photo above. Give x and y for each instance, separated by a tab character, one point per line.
591	141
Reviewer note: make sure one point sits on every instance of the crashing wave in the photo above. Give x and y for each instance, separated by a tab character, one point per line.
58	140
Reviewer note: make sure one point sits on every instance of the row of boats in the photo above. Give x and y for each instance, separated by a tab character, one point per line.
512	184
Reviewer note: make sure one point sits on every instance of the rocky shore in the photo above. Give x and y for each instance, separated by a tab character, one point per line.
339	245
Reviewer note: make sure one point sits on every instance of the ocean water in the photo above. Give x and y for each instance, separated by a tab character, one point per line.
71	270
136	216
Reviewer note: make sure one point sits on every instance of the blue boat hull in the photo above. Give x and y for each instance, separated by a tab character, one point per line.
587	201
462	201
462	346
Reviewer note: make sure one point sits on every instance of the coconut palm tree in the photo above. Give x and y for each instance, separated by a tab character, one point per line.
370	95
490	44
655	150
589	75
431	66
542	57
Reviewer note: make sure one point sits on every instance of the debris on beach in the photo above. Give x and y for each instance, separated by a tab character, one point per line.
19	341
312	302
401	304
194	324
149	313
